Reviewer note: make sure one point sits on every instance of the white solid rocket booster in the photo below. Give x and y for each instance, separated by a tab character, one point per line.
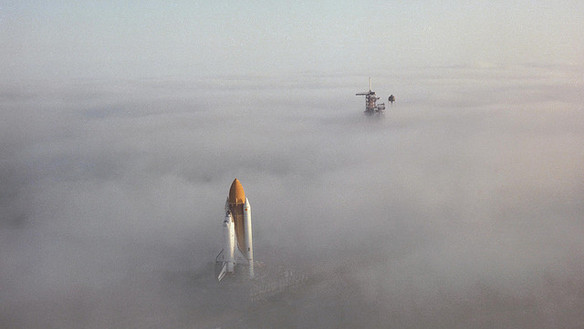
248	235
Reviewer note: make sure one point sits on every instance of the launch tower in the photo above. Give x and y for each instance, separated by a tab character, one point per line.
371	100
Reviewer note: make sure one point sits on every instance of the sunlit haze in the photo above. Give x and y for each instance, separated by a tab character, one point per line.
123	125
121	39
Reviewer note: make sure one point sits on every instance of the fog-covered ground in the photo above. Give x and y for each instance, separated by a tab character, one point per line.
461	207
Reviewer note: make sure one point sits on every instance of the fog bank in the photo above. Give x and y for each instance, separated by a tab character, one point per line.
460	207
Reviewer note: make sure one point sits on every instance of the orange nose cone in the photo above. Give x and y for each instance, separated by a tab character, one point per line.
236	193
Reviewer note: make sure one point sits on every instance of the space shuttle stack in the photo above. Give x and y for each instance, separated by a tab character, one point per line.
237	230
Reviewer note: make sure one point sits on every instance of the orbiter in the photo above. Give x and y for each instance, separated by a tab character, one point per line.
236	231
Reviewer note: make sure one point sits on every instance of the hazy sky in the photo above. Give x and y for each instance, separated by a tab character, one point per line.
96	39
123	124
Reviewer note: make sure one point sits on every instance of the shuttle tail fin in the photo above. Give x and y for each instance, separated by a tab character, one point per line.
223	272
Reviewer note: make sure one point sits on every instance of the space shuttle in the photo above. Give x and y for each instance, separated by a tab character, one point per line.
237	232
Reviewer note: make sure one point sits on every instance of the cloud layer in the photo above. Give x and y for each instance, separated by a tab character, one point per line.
459	207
